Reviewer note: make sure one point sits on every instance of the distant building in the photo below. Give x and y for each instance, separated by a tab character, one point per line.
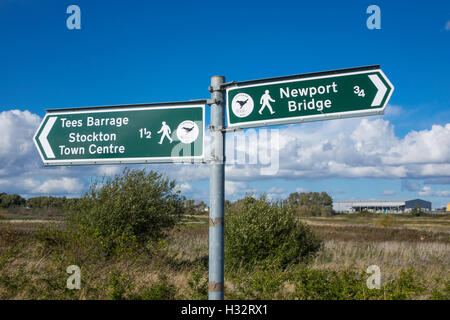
448	207
381	206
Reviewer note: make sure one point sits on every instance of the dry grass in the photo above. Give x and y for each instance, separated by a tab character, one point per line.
430	222
355	247
368	233
390	256
183	258
189	242
22	213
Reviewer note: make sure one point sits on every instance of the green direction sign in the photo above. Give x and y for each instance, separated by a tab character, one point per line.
322	96
123	134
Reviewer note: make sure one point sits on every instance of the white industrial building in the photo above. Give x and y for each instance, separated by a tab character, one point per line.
381	206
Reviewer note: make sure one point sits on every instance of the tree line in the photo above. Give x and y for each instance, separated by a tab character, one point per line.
311	203
43	202
303	204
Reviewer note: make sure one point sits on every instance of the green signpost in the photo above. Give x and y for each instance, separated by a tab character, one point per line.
169	132
310	97
175	132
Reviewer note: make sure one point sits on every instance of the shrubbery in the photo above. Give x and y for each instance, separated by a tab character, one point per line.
263	232
310	204
42	202
299	283
48	202
195	207
11	200
385	221
162	290
416	211
133	206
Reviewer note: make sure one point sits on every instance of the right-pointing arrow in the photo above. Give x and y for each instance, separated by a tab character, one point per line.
43	137
381	90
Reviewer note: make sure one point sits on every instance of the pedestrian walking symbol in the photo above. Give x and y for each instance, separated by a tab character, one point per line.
265	101
165	130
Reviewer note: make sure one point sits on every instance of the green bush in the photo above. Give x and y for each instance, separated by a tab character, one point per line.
385	221
313	284
193	207
310	204
11	200
47	202
161	290
303	283
269	233
135	206
436	294
416	211
198	283
256	284
119	285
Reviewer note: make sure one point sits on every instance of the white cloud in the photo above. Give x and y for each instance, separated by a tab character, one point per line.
275	190
447	26
428	191
394	111
238	188
275	196
355	148
21	169
441	180
183	187
109	170
16	144
275	193
339	148
410	185
427	146
389	193
233	187
64	185
185	172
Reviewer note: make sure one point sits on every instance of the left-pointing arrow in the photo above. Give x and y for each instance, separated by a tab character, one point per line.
43	137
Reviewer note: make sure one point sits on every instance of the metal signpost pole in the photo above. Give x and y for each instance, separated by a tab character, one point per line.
145	133
217	191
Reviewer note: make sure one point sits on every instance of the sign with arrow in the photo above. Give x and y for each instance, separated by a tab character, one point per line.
310	97
173	132
169	132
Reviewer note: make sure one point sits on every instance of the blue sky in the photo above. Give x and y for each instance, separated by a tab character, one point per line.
144	51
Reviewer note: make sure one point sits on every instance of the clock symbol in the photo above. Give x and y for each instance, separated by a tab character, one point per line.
187	131
242	105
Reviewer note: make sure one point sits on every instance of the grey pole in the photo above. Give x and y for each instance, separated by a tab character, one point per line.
217	191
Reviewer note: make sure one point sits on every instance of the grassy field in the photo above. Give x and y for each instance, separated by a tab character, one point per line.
413	254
